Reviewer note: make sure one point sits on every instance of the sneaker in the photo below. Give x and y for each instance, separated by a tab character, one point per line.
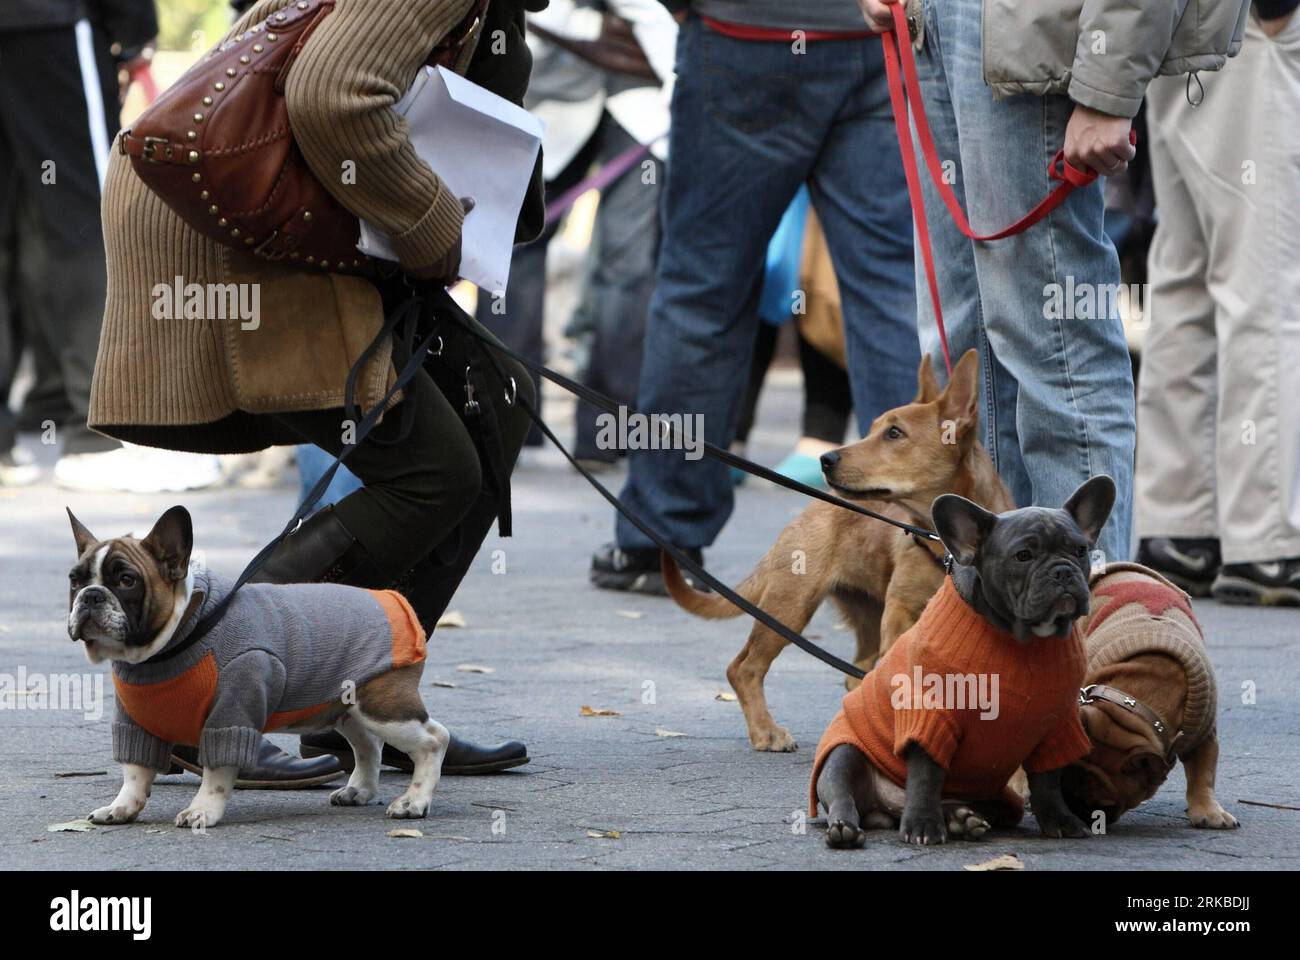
804	468
1267	583
635	571
132	469
18	469
1190	563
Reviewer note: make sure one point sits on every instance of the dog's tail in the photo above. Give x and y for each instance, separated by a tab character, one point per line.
710	606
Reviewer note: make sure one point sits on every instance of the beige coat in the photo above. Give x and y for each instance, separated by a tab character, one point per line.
1103	53
200	384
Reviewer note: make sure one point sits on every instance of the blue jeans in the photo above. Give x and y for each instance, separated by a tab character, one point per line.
312	464
1057	394
752	121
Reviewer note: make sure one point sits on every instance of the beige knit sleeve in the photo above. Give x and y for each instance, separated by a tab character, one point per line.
359	62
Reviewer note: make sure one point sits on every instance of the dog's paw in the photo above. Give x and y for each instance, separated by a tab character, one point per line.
1212	817
966	823
198	818
925	828
1059	825
775	740
408	808
116	813
351	796
845	836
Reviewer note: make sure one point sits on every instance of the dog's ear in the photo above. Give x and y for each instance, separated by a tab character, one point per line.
927	385
1090	505
83	536
963	526
960	399
171	540
1149	768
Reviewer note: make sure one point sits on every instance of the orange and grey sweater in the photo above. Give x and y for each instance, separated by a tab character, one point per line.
976	700
278	656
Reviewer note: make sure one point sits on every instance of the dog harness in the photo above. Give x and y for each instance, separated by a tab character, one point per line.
279	655
975	699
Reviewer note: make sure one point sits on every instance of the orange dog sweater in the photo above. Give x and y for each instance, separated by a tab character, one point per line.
974	698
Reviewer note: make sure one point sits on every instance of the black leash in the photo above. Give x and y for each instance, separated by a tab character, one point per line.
408	312
602	402
682	559
441	302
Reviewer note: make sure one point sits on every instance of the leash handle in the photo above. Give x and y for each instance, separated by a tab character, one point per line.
898	51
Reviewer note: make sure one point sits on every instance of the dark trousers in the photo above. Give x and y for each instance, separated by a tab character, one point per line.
427	496
60	280
827	396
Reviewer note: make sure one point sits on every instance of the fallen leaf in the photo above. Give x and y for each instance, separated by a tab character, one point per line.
631	614
72	826
725	695
661	732
475	668
443	683
586	711
1008	861
154	830
81	773
605	834
406	833
452	618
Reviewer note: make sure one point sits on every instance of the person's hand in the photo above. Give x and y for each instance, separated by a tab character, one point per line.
1275	26
1097	141
446	269
878	15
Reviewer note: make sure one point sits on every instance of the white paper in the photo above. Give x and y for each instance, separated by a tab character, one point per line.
482	146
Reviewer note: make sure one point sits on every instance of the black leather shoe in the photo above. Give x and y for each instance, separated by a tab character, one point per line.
463	759
637	570
274	770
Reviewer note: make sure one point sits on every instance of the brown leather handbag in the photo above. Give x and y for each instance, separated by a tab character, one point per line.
217	147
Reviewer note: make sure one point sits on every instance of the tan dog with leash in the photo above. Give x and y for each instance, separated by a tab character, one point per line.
879	577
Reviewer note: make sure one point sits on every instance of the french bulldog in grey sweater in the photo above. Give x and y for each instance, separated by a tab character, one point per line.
297	658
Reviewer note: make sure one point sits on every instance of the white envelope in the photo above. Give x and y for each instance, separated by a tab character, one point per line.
482	146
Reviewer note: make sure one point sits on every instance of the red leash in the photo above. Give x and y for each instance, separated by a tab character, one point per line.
900	97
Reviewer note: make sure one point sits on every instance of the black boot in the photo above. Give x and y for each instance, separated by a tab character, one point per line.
323	550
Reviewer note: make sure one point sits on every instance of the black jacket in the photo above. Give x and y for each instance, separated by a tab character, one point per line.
126	22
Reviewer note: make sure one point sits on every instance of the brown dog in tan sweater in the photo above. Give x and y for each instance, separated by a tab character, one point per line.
1149	700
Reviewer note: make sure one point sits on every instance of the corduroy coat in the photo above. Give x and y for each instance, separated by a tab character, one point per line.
207	384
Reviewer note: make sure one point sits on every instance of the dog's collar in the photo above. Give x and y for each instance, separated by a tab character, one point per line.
1100	691
943	562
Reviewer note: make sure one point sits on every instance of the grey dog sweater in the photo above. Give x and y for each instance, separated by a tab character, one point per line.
278	656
